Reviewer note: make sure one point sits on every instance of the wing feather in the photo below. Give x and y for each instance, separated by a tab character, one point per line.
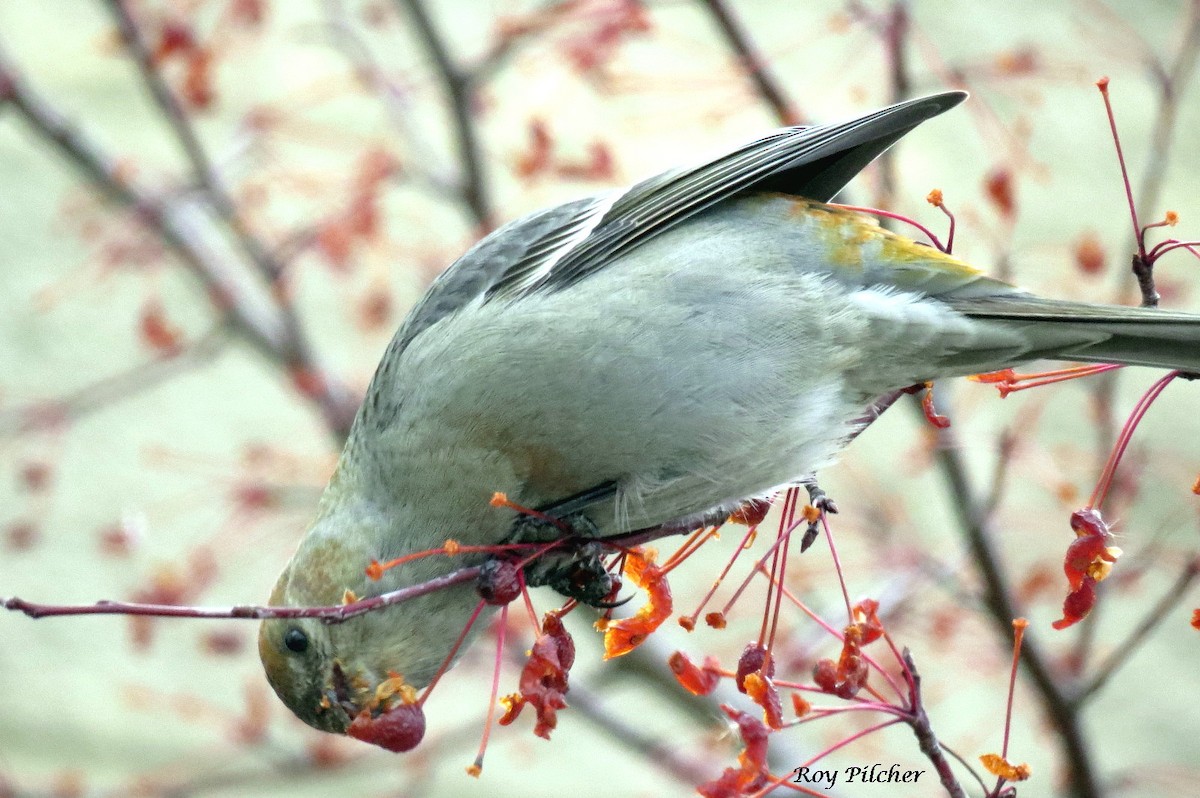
556	248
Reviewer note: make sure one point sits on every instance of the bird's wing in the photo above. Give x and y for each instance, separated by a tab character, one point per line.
555	248
529	239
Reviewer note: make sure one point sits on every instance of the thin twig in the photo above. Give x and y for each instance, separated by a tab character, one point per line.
202	166
665	756
974	521
918	721
536	22
967	766
295	351
979	533
1121	654
204	171
50	413
264	324
393	95
331	615
1172	81
104	173
893	28
1005	451
459	90
757	68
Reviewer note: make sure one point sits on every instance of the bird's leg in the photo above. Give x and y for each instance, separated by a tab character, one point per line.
819	499
578	573
575	568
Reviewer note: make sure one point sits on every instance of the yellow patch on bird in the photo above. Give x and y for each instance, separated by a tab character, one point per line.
852	237
316	577
898	249
844	233
852	244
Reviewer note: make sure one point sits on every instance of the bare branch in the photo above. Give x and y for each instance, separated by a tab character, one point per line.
297	352
752	61
266	323
459	91
202	167
204	171
104	173
393	95
331	615
918	720
1121	654
1172	80
666	757
50	413
979	533
893	28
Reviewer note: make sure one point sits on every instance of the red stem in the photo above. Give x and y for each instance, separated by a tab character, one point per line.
445	666
477	768
1139	411
1138	234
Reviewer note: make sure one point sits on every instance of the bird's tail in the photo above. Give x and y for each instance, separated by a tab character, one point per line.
1065	330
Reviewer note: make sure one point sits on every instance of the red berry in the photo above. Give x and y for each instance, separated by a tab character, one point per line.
751	661
398	729
499	582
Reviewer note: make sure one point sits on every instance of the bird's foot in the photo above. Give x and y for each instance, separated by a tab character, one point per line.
577	572
575	568
819	499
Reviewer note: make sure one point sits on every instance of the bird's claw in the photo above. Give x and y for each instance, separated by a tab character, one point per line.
575	568
577	572
821	500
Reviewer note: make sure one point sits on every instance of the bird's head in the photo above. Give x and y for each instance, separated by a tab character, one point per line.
329	674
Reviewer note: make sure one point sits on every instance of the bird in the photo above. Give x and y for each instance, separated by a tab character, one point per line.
654	355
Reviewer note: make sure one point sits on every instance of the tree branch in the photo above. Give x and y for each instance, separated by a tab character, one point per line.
979	534
926	739
751	60
265	323
666	757
50	413
459	92
330	615
203	170
1120	655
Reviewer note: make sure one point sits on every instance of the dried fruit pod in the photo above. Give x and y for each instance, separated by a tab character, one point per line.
698	680
397	729
499	581
752	660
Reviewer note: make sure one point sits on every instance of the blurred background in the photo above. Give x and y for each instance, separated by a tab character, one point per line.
213	214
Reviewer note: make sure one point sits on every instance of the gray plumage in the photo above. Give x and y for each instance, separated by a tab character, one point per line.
705	337
555	247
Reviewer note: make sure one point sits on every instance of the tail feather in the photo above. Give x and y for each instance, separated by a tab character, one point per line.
1107	333
1132	349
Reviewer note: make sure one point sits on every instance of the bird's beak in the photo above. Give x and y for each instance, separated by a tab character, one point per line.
339	696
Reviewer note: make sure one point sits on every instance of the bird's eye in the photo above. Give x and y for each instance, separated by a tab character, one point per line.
295	640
